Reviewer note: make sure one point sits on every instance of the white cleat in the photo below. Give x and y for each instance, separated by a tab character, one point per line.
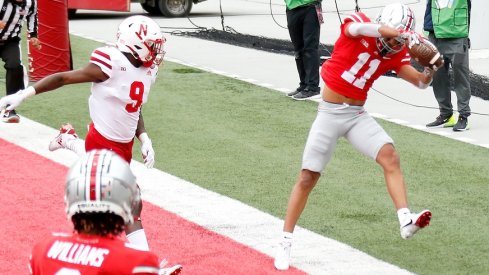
415	223
66	133
282	258
172	270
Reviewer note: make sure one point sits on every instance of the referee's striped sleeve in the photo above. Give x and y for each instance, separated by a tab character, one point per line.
32	21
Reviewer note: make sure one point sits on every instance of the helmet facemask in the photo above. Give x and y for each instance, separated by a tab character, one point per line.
397	16
141	37
390	46
156	53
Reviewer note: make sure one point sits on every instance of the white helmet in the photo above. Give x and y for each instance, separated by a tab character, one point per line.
397	16
141	36
101	182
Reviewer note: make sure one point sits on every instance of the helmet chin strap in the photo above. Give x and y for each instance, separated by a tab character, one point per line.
148	64
134	58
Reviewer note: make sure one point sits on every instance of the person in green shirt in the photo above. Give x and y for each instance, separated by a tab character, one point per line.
304	20
447	23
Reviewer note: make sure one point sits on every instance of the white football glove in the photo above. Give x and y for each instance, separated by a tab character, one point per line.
147	150
414	38
10	102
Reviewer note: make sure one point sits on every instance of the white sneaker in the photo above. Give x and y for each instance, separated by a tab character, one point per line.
9	117
282	258
415	223
172	270
66	133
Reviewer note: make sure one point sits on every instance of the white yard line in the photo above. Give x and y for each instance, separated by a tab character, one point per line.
311	252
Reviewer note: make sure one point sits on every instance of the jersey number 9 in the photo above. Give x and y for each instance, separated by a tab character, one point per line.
136	94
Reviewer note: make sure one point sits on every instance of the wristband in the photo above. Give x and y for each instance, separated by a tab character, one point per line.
143	137
27	92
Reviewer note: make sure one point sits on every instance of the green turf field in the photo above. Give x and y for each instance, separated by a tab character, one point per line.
246	142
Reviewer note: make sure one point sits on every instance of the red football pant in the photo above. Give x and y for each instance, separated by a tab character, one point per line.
95	140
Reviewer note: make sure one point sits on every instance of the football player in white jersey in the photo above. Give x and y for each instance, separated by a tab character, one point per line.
121	79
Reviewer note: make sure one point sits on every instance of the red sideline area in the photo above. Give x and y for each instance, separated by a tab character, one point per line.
31	188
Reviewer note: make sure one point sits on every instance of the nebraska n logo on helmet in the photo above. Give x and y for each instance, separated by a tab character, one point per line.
101	182
141	36
143	29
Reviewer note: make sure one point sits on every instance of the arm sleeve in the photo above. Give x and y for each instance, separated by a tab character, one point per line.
32	20
370	29
358	17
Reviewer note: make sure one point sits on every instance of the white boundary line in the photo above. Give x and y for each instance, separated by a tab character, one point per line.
313	253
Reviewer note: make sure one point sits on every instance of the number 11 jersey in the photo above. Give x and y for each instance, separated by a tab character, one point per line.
356	62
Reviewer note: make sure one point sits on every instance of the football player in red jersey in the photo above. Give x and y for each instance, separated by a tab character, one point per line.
100	193
121	78
364	51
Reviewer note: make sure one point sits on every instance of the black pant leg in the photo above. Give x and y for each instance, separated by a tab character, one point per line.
311	31
294	24
10	54
304	31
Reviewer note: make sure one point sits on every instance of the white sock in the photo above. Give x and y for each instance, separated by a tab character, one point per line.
287	236
138	238
76	145
403	215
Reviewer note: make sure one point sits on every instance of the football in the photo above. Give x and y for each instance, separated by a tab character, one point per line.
425	53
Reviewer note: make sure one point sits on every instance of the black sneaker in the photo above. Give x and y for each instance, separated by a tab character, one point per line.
10	117
307	93
298	90
442	121
462	124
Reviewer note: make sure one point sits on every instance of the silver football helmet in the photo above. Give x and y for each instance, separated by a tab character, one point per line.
101	181
141	36
397	16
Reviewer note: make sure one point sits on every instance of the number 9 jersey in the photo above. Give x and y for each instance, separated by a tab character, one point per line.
356	62
115	103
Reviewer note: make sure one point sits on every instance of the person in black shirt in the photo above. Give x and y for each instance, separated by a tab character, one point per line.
12	15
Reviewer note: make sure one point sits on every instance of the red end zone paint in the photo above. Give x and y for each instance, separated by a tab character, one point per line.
31	190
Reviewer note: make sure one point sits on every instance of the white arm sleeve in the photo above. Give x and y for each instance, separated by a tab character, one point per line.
366	29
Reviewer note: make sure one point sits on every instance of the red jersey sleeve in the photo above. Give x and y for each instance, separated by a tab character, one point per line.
358	17
146	263
36	256
405	59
